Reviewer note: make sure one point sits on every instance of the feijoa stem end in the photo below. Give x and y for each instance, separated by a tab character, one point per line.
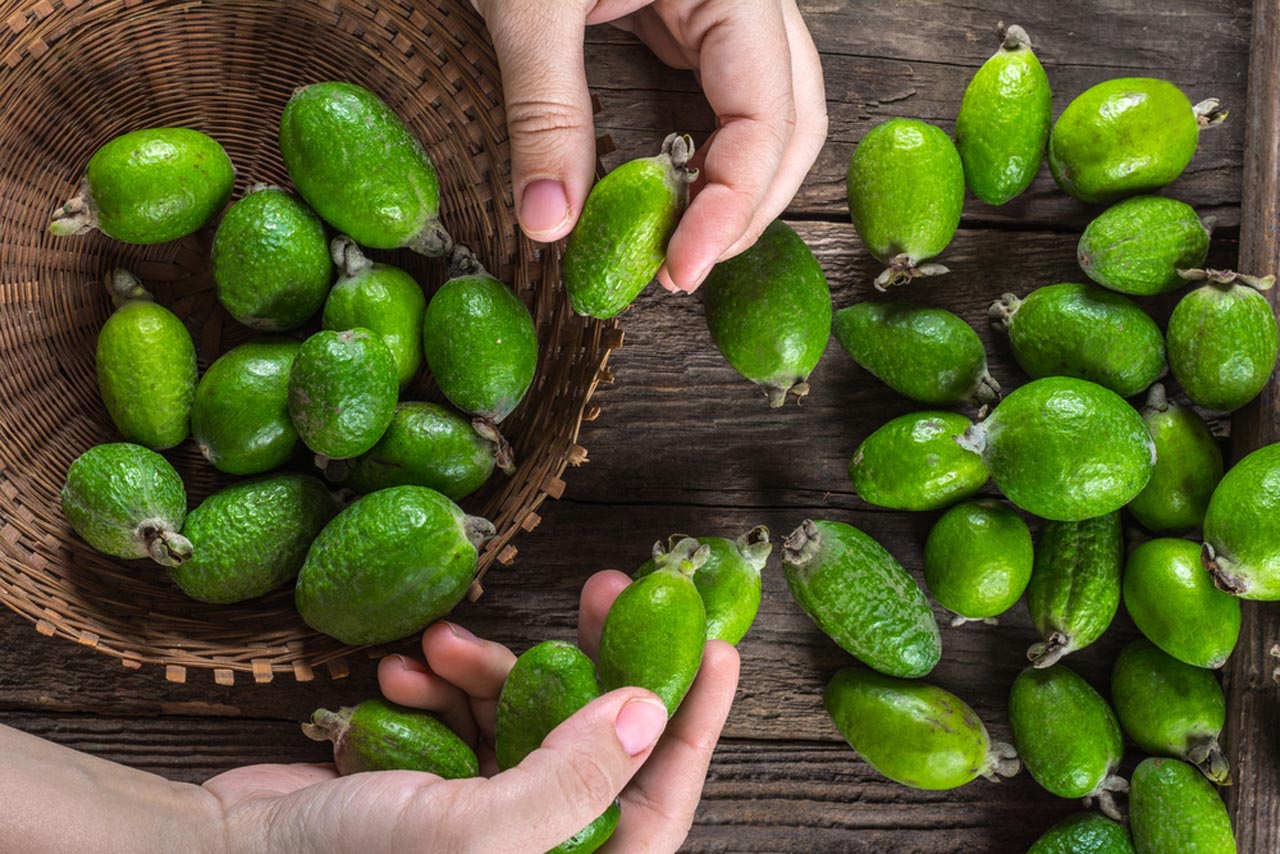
1050	651
123	286
902	270
1001	311
335	471
478	530
464	262
1157	400
777	395
1105	796
432	241
755	547
1207	755
348	256
679	148
1015	37
76	216
686	556
1002	761
974	438
1226	278
504	457
986	392
326	725
802	544
1208	114
957	621
165	546
1218	568
1208	223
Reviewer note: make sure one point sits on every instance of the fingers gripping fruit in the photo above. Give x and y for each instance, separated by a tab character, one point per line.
381	736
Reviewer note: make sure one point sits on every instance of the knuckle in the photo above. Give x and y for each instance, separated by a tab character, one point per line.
586	778
543	122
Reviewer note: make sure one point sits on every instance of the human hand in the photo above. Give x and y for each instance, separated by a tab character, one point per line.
758	67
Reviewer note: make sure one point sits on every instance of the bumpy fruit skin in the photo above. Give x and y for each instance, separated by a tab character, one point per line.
1173	602
1075	585
381	736
1065	449
252	537
862	598
978	559
925	353
1188	467
1003	125
388	565
592	836
240	417
1084	833
914	463
1242	527
358	166
342	392
1137	246
271	261
621	237
1170	708
769	312
914	733
1174	810
1223	345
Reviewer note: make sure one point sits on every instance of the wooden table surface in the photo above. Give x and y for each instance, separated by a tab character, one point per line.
684	444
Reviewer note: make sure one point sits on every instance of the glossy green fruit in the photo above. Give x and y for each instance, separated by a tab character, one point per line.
357	164
1138	246
252	537
1065	449
1004	121
342	392
1242	527
621	237
381	736
656	629
978	559
1223	341
388	565
1188	467
271	260
1170	708
480	341
150	186
1067	735
127	501
1084	833
862	598
906	191
913	733
914	463
925	353
1174	810
240	417
1126	136
1173	601
769	312
1075	585
146	364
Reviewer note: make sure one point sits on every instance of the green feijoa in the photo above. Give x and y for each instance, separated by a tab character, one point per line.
342	392
1083	331
1223	340
378	735
380	297
1084	833
914	463
1137	246
240	417
1170	708
769	312
146	364
1242	527
593	836
480	342
621	237
1188	467
1074	590
547	685
150	186
1126	136
252	537
358	166
977	560
655	631
925	353
1067	735
914	733
1003	125
389	564
1173	602
862	598
127	501
1175	810
1065	449
729	580
271	261
906	191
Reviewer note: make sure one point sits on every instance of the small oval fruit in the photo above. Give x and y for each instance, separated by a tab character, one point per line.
769	312
1137	246
389	564
1075	585
1065	449
146	363
621	237
342	392
915	463
906	191
1174	810
1188	467
127	501
978	559
1242	528
150	186
1084	833
862	598
380	736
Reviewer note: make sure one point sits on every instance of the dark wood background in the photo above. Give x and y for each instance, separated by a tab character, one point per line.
683	444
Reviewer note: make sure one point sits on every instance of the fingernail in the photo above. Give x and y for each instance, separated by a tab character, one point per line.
461	633
544	207
699	278
639	724
408	664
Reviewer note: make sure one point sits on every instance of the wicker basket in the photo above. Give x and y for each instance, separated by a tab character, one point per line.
74	73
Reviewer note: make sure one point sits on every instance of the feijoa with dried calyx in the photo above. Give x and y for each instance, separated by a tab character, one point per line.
978	559
1188	467
1242	528
342	392
1173	809
378	735
915	463
1084	833
1137	246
